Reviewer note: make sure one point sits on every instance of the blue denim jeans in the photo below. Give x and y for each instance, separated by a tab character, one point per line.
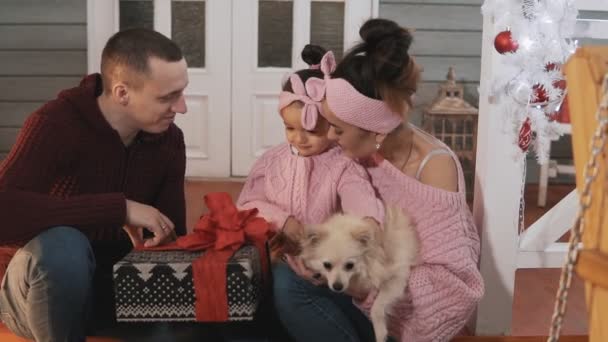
47	287
315	313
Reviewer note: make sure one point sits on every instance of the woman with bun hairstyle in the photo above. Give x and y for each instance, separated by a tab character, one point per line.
368	97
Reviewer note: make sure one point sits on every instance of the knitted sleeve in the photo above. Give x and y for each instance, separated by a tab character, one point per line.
30	171
253	195
357	195
446	286
170	199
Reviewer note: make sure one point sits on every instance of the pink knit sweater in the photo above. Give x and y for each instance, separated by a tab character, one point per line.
446	286
311	189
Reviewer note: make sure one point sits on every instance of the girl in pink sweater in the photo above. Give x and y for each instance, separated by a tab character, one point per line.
367	98
308	178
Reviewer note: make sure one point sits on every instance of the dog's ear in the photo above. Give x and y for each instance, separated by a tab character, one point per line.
312	236
367	233
364	235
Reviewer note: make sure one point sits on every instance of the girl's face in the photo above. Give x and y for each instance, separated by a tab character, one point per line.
308	143
355	142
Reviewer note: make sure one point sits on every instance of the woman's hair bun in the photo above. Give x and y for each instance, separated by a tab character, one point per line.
376	32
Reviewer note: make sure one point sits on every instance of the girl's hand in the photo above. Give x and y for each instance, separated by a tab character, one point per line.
280	245
293	229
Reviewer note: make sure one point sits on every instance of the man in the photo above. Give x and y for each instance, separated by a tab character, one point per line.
88	171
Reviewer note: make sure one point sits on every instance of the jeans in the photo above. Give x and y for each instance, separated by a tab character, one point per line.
46	291
314	313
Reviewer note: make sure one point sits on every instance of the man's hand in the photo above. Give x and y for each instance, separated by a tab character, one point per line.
136	234
141	215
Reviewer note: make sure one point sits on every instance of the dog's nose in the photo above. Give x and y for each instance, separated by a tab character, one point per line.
337	287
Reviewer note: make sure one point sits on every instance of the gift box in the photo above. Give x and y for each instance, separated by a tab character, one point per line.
157	286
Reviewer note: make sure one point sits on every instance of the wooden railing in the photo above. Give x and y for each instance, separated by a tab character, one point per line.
586	74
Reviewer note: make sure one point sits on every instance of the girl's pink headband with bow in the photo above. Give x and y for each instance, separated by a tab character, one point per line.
310	95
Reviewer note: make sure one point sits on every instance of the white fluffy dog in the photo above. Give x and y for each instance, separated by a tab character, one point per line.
354	254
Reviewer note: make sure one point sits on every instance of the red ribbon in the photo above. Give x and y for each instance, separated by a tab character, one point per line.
221	232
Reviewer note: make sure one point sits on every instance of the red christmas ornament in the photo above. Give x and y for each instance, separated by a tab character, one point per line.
561	84
540	94
552	66
525	135
553	116
504	43
564	112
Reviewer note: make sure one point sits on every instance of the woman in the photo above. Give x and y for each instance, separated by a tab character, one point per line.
367	99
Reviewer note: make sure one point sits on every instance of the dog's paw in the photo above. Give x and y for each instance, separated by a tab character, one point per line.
381	336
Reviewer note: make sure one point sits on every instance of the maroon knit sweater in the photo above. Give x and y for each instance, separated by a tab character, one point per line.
70	167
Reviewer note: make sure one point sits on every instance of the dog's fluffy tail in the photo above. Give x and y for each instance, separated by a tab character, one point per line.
400	236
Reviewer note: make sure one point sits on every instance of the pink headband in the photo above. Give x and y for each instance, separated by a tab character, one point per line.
311	95
351	106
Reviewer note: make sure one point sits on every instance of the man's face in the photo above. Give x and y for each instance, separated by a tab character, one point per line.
153	106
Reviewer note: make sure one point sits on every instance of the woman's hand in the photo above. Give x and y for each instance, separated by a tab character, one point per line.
297	265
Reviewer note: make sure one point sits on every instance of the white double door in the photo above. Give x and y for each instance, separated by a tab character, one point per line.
238	52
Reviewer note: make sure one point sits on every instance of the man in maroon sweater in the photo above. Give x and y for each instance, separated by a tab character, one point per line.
89	170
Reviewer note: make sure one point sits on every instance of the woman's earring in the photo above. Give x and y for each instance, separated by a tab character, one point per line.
377	146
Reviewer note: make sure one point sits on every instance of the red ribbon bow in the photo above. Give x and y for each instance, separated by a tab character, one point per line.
221	232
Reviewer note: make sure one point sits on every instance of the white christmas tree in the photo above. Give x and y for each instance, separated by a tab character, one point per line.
534	40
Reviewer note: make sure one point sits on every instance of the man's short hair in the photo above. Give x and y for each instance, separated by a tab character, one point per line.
127	54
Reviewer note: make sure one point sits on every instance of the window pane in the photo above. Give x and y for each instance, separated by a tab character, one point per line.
448	141
327	25
275	27
188	30
458	145
468	143
448	126
437	127
459	123
136	13
469	124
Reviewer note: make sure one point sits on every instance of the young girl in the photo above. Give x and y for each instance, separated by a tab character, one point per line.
307	179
